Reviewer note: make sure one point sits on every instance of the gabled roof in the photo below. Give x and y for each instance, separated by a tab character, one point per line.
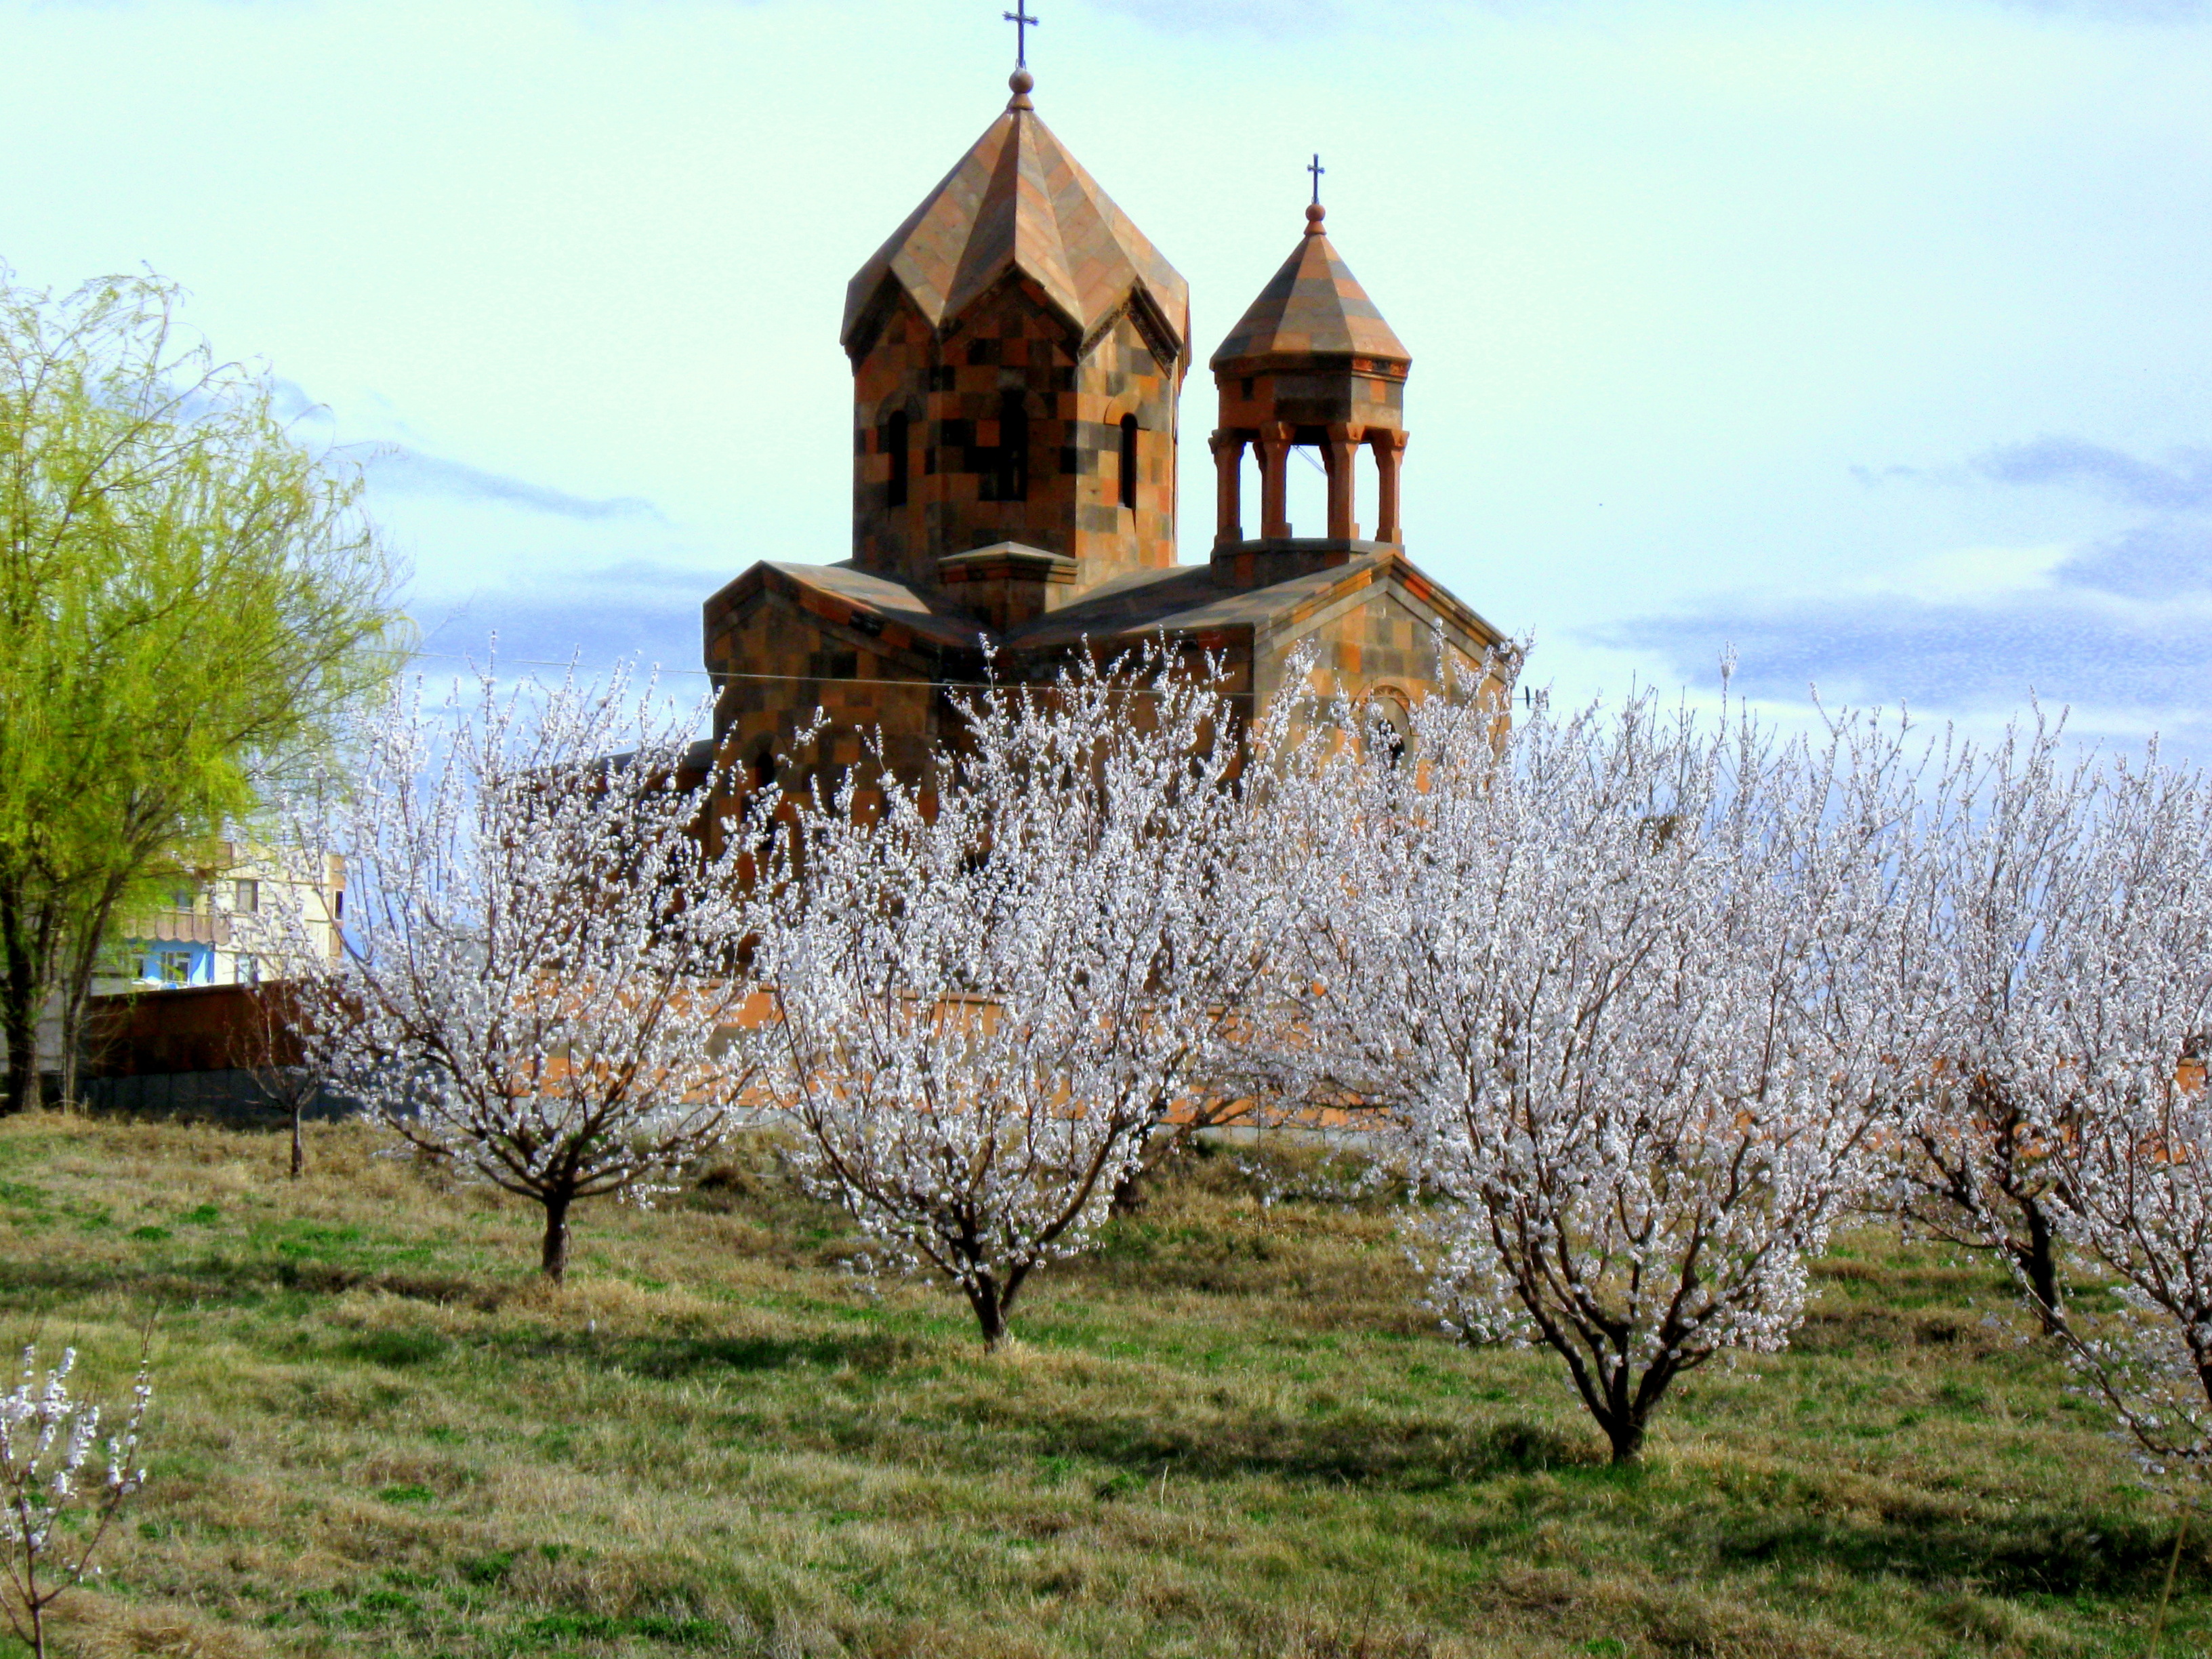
1018	201
1186	599
1182	599
1313	306
839	592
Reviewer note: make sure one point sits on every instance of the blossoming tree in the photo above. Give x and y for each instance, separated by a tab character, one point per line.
56	1503
2001	841
1616	975
2108	1065
537	987
992	990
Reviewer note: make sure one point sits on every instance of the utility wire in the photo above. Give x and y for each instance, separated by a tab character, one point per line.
791	679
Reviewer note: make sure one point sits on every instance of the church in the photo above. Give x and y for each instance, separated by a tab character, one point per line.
1018	349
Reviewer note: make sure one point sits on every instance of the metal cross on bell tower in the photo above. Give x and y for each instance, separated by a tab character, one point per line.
1316	169
1022	23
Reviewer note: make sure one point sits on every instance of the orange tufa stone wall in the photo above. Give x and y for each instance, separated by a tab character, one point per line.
1376	643
952	398
783	661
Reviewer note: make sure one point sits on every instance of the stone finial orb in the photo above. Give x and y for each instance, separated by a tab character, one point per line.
1022	82
1315	214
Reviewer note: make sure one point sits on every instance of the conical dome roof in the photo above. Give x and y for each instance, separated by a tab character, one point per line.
1313	306
1019	201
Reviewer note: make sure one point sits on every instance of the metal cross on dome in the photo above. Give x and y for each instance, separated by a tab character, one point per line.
1022	23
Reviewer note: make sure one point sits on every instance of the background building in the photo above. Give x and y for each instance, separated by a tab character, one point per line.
220	928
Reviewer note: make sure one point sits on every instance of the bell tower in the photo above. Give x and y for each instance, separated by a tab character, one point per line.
1310	363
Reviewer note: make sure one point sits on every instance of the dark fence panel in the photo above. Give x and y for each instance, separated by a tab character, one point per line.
227	1096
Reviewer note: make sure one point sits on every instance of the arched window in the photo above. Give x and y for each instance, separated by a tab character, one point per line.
1010	479
1387	722
1129	460
895	440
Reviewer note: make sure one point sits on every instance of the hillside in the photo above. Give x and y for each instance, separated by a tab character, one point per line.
1234	1432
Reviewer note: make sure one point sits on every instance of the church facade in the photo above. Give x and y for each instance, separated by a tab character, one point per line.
1018	349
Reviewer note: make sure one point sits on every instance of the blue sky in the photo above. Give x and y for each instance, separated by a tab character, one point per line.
1873	339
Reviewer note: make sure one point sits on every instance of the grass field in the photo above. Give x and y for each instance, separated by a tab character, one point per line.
1232	1433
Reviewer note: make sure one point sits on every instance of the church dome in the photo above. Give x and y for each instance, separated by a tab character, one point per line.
1018	201
1312	308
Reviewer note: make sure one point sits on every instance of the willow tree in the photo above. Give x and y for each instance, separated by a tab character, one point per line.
189	597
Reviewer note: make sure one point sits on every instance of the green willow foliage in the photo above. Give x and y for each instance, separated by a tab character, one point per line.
189	597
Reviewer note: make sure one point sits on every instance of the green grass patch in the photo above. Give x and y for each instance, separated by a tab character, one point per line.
1230	1432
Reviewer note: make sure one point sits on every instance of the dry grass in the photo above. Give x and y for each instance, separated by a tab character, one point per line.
1232	1433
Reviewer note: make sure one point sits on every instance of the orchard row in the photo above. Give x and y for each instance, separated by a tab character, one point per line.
1638	1002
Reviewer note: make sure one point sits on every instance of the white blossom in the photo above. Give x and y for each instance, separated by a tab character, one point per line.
2003	885
2107	1061
538	986
1617	976
994	984
47	1444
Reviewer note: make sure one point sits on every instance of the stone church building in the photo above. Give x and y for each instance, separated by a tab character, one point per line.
1018	349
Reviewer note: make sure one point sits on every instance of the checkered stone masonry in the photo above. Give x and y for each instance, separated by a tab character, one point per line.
1000	339
1012	372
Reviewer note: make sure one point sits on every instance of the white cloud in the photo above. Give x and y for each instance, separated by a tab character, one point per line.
2119	626
408	472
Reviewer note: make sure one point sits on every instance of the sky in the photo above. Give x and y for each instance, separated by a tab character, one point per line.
1870	342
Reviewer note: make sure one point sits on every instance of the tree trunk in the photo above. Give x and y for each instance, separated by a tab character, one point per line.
80	963
2039	1262
22	993
1129	1194
553	1260
299	1151
1625	1432
74	998
990	1306
22	1039
1167	1141
72	993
